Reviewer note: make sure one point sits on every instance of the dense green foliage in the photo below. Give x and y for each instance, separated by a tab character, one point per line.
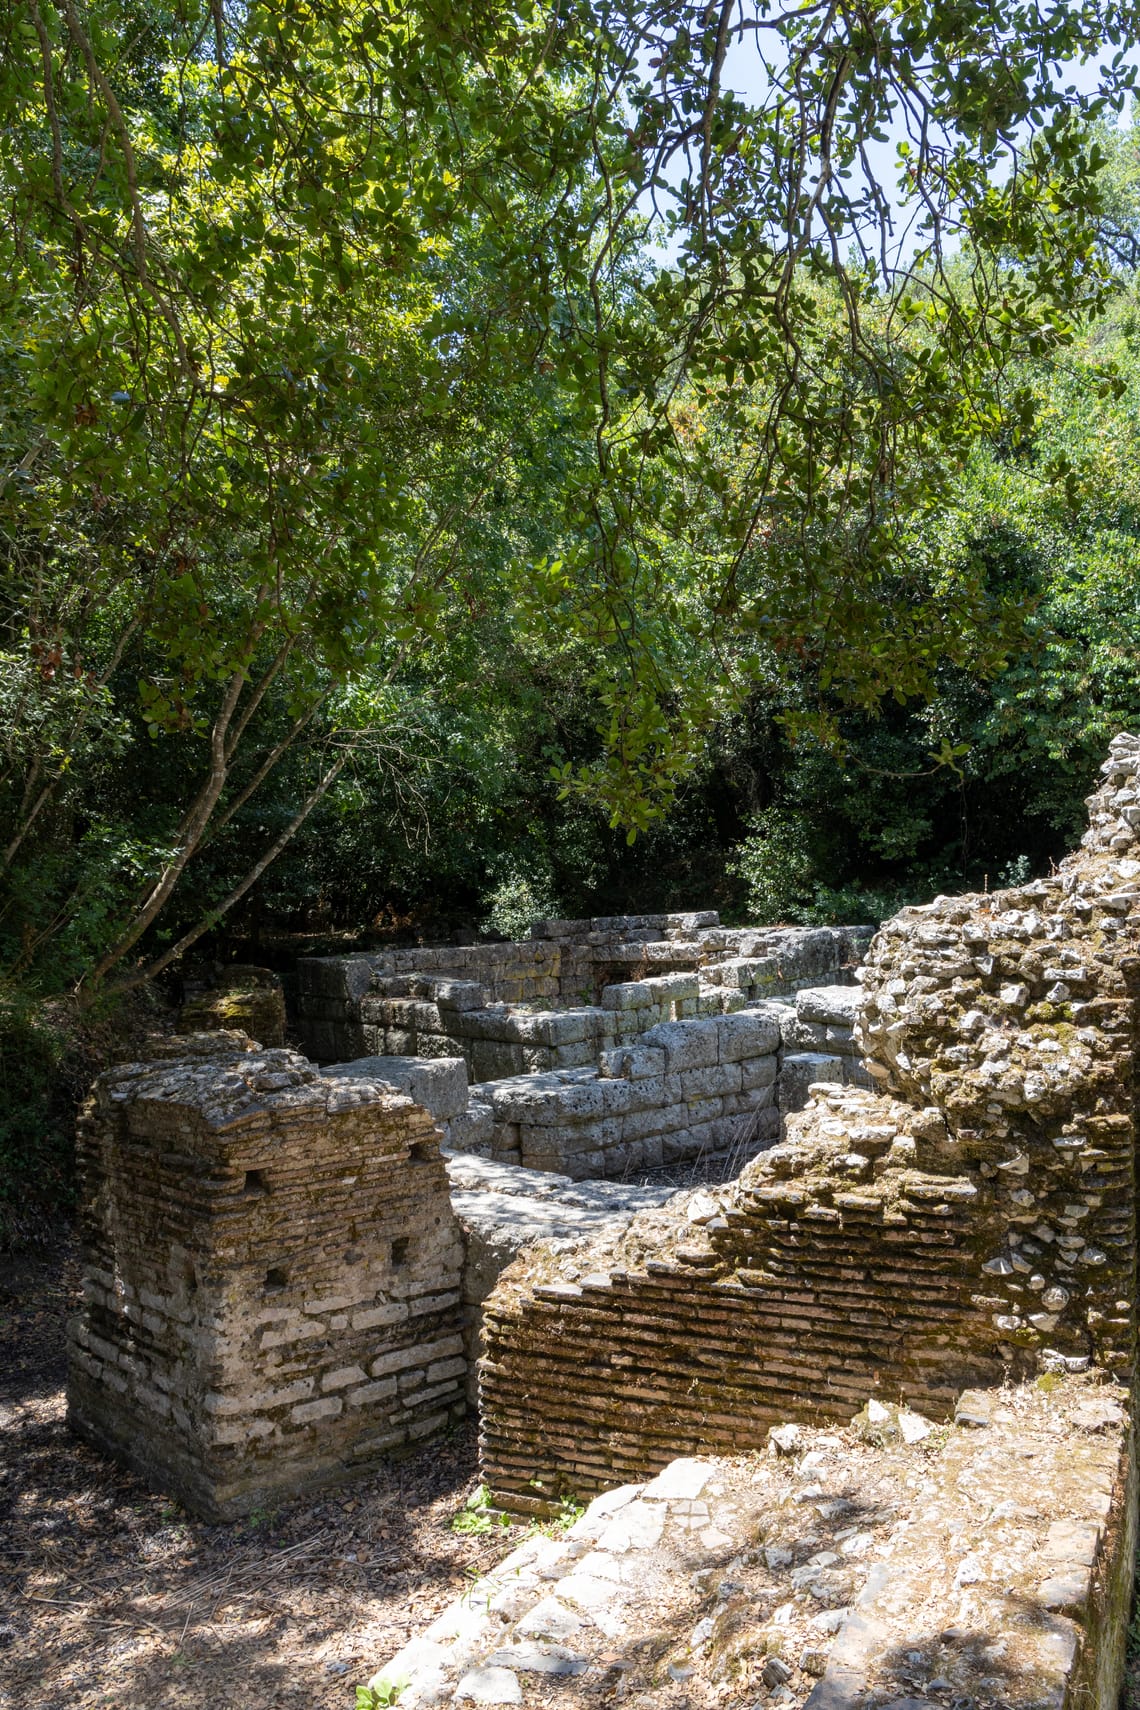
1053	521
382	520
460	462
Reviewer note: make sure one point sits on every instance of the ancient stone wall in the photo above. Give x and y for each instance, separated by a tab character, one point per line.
424	1017
974	1217
503	1210
271	1272
655	1091
557	1088
818	1043
685	1089
583	985
242	998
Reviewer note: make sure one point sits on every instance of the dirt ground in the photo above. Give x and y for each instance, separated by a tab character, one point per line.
110	1595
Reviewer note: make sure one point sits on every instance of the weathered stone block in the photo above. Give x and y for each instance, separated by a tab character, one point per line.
460	995
830	1004
713	1082
801	1070
635	994
747	1034
797	1035
687	1044
761	1072
438	1084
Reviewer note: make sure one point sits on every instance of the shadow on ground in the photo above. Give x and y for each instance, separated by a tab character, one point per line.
111	1596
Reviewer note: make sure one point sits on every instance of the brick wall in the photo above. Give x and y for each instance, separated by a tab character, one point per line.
271	1275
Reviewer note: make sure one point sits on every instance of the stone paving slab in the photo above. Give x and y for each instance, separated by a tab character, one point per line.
889	1565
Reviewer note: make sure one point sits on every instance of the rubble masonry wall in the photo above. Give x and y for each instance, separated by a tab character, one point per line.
971	1219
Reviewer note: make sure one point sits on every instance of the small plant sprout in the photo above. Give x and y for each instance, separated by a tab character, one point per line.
384	1691
476	1518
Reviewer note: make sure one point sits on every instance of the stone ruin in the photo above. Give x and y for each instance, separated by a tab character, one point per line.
275	1282
971	1218
278	1288
888	1565
698	1033
956	1241
271	1278
242	999
495	1004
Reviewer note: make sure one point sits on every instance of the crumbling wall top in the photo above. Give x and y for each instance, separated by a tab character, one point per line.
227	1081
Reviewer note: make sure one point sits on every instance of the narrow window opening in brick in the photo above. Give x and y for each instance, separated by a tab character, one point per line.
276	1279
255	1184
400	1247
420	1152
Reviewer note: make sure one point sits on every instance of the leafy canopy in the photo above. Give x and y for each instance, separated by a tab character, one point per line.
283	287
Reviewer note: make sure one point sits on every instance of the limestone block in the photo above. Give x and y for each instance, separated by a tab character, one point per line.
399	1042
423	1016
439	1046
687	1044
459	995
801	1070
335	976
749	1033
572	1056
713	1082
797	1035
841	1040
568	1027
471	1130
439	1083
634	994
834	1005
744	1103
689	1142
505	1143
632	1063
491	1060
655	1120
496	1025
522	1096
386	1011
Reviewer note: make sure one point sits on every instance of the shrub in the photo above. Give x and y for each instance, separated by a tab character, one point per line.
36	1149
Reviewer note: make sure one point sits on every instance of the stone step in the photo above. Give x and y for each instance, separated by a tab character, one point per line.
893	1563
